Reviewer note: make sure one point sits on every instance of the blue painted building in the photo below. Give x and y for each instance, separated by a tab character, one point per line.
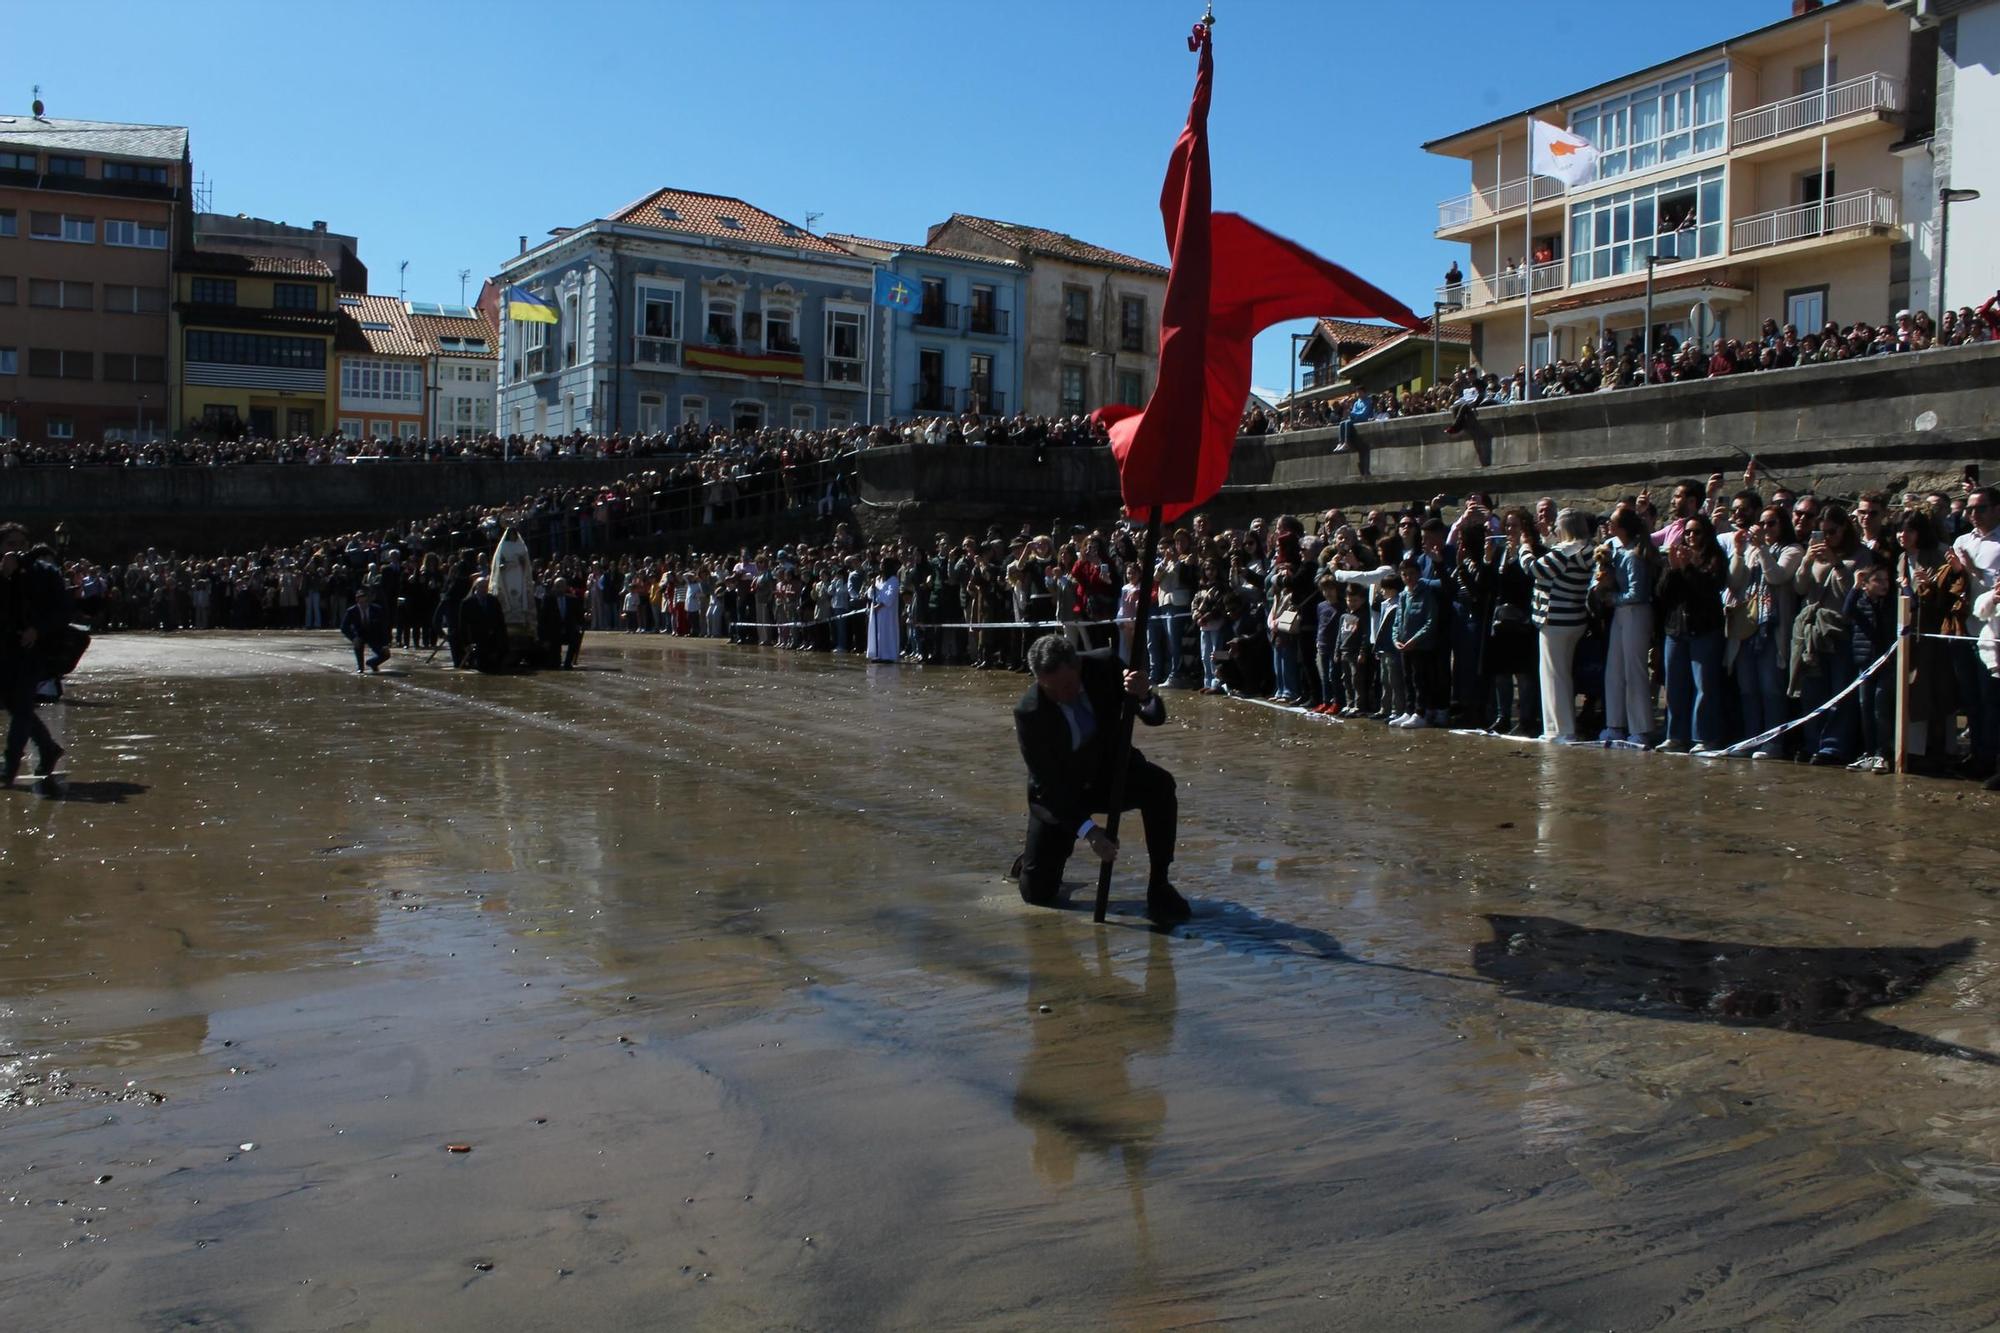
959	349
688	305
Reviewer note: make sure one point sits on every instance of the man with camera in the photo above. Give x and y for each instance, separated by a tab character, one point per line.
1067	725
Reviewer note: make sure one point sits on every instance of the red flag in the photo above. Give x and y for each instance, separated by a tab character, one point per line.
1230	279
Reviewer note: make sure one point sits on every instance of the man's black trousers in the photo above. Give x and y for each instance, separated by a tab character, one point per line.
1149	789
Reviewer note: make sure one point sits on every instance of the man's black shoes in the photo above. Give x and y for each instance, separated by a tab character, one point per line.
1165	906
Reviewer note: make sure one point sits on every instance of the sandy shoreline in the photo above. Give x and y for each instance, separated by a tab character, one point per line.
705	956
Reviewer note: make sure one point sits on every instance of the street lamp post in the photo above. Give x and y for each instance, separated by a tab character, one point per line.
1437	349
1652	262
1946	198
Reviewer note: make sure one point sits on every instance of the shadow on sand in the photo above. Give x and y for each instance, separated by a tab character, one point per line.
1819	992
87	793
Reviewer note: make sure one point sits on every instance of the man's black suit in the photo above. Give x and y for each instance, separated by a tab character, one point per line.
1067	784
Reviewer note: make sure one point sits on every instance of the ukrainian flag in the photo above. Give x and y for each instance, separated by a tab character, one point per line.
523	305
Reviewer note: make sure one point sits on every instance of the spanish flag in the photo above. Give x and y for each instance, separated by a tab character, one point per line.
528	308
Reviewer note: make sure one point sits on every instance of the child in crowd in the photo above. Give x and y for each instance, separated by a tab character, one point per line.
1394	703
1417	632
1330	612
1871	616
1356	652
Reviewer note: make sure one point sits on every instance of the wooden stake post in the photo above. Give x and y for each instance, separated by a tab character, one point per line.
1905	646
1121	744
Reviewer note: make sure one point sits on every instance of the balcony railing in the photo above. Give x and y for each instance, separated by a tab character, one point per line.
988	402
986	320
1844	212
938	316
656	352
933	397
1479	290
1863	96
1507	198
842	371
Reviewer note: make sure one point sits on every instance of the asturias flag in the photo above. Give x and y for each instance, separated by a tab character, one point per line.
896	291
1570	158
528	308
1230	280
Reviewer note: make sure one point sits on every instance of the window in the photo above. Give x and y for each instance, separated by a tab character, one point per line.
838	418
780	330
135	171
721	329
10	361
846	336
10	223
979	383
931	394
51	364
464	374
123	300
694	408
294	296
651	408
984	316
572	326
1132	325
124	368
746	414
141	235
212	291
1811	189
9	291
62	227
61	428
350	428
1614	234
52	294
1131	388
61	165
1076	315
657	319
534	350
388	381
931	310
802	416
1658	124
255	349
10	161
1805	309
380	429
1070	400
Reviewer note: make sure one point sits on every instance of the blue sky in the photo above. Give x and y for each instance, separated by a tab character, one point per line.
437	131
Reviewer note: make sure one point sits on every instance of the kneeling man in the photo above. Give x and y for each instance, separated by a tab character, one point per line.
1067	725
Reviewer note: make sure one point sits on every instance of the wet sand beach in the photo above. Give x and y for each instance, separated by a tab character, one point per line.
705	956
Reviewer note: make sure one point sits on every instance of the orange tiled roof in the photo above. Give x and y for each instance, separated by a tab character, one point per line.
430	329
1345	331
377	324
1056	244
705	214
276	266
943	252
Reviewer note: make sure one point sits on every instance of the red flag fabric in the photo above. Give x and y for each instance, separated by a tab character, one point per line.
1230	279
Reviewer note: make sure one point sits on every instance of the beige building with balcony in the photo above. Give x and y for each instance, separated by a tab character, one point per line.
1764	177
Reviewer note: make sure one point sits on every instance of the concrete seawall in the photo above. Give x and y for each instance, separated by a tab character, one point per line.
1889	422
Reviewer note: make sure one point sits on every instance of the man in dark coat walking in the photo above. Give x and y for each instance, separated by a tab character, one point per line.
1067	726
33	617
366	626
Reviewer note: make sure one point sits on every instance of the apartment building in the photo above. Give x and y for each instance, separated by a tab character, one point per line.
1762	177
464	361
382	368
90	215
253	344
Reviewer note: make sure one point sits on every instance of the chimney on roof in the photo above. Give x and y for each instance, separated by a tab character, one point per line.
320	227
524	245
1801	8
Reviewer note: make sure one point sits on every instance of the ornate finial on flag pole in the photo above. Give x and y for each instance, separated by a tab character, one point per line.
1199	37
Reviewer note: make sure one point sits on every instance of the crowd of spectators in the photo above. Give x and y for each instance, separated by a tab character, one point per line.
688	440
1748	610
1611	365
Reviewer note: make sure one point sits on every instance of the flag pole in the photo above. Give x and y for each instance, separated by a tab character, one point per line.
1121	742
1528	267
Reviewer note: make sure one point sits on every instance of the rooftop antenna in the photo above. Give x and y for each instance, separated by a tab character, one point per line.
402	287
204	194
812	220
463	274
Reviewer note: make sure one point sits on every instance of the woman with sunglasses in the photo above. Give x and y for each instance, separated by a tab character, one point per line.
1763	564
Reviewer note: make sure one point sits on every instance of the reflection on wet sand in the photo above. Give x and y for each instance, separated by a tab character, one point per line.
1823	991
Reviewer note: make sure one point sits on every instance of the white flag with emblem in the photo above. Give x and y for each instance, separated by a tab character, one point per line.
1568	157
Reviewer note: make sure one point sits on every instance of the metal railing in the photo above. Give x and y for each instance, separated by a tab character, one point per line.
1863	96
1483	290
933	397
1504	198
987	402
656	352
986	320
1843	212
939	316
